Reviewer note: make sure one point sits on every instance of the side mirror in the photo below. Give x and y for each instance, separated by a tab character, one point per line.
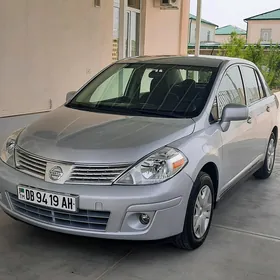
69	95
233	112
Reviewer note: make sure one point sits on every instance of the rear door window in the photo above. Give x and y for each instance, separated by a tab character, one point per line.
250	84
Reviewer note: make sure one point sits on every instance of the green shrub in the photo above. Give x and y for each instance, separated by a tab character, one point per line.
268	60
234	47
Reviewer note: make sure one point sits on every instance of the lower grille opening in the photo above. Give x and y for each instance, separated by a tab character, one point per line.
83	219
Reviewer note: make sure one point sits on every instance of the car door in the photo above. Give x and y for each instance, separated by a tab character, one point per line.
237	140
259	108
269	107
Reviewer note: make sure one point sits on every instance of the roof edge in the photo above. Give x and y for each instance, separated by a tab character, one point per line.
202	20
240	31
252	17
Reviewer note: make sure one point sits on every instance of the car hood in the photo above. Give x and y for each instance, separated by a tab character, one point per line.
79	136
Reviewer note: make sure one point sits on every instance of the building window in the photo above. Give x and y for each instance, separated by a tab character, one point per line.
134	4
266	35
208	36
97	3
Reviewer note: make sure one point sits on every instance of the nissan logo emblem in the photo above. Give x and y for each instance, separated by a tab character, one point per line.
55	173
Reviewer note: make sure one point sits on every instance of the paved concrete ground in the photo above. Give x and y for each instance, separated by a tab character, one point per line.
243	243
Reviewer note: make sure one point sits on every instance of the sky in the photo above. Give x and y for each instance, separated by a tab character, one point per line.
233	12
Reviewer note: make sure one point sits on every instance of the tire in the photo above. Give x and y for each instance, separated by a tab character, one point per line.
265	171
189	239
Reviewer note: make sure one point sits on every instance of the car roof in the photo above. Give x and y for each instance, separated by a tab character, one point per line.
191	60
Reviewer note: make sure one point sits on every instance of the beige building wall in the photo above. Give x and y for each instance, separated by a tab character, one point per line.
166	31
255	27
225	38
50	47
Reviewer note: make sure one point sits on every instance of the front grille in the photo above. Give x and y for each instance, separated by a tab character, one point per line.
96	174
80	174
30	164
84	219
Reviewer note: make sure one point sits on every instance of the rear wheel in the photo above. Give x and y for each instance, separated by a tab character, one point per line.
265	171
199	214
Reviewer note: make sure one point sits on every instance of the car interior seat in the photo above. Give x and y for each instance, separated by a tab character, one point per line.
160	91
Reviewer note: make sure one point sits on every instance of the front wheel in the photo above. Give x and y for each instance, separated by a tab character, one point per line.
265	171
199	214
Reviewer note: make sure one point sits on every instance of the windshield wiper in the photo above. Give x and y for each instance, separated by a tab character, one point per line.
78	106
88	107
157	113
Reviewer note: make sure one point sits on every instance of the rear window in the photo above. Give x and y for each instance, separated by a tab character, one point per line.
250	84
148	89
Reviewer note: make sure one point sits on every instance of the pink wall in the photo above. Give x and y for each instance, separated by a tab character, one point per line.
164	33
255	26
225	38
49	47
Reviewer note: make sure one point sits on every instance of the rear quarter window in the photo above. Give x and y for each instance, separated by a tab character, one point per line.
260	86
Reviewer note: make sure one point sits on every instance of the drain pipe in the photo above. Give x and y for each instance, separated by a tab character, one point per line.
198	27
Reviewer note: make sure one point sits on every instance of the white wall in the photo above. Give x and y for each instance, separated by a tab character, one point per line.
203	32
49	47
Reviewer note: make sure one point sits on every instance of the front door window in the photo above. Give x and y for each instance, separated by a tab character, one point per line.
231	89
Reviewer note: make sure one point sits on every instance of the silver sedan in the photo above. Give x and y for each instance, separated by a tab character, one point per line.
143	151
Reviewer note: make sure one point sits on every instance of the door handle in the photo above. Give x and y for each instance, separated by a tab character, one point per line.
249	120
268	109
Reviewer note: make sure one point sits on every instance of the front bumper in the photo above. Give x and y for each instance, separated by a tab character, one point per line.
165	203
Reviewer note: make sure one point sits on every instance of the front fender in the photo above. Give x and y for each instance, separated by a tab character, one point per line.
200	148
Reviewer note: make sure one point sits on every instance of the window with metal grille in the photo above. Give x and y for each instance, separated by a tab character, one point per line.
266	35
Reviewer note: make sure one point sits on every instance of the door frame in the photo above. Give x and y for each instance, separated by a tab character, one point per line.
128	29
123	27
236	176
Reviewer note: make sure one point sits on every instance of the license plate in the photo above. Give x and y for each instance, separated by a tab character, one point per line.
47	199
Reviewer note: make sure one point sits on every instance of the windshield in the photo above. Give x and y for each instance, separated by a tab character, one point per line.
173	91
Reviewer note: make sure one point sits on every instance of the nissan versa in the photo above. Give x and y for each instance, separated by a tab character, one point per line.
144	150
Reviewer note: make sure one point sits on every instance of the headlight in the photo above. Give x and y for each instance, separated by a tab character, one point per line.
8	150
155	168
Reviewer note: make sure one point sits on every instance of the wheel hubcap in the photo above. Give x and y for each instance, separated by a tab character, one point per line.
202	212
270	154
